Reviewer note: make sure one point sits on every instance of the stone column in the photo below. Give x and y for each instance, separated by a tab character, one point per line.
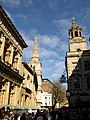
16	95
7	96
7	56
15	61
3	91
2	96
23	101
19	61
11	54
2	45
20	64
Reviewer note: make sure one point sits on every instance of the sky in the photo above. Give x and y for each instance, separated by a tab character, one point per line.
49	21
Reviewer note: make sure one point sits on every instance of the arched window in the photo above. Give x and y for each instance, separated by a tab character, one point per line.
72	34
80	34
78	49
76	34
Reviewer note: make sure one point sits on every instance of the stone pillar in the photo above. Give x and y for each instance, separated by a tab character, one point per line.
7	92
16	95
24	100
12	94
2	45
20	64
2	97
15	61
11	54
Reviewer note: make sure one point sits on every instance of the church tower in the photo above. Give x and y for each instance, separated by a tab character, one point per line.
77	65
77	44
37	67
76	39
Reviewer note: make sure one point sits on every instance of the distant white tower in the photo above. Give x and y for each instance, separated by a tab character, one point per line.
36	65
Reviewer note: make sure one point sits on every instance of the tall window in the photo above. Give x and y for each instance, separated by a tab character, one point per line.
72	34
87	65
80	34
76	83
45	97
88	82
76	34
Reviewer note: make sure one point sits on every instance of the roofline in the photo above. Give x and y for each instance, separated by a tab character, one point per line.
27	67
47	80
8	23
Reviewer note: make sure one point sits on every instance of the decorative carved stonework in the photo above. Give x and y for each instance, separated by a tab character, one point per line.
12	39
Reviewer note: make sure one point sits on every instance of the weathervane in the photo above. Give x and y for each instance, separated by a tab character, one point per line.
73	20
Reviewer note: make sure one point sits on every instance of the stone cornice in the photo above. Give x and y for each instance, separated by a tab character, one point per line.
7	22
10	72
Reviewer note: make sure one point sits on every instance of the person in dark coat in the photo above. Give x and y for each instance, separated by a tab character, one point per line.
37	114
29	116
23	117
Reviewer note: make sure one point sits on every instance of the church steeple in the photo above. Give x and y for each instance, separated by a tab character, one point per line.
36	65
75	30
76	39
35	56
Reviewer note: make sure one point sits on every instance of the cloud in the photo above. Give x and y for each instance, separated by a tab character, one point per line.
10	16
16	3
49	41
22	17
12	3
62	23
58	70
47	53
53	4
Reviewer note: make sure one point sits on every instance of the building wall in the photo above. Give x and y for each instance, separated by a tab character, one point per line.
49	85
46	99
76	59
17	81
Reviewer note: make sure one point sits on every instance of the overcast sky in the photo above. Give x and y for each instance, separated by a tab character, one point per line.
49	21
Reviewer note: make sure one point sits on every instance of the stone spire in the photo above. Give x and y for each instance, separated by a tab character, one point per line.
35	56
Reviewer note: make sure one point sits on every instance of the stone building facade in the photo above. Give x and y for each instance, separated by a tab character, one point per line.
78	68
20	82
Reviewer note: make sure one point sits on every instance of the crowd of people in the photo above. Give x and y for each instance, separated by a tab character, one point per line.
7	114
